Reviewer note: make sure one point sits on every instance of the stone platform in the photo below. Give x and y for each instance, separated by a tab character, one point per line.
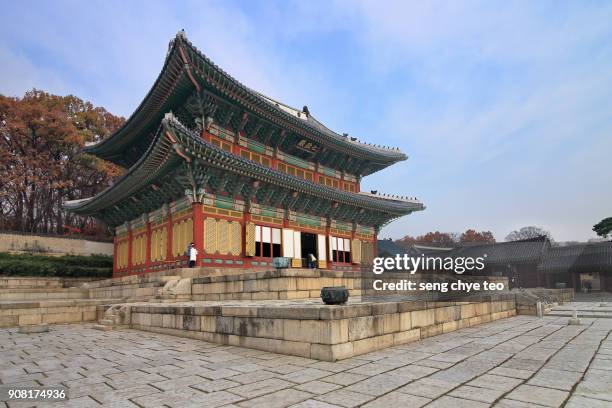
14	313
310	329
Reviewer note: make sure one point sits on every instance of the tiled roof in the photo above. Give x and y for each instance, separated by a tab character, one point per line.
174	84
161	156
505	252
591	257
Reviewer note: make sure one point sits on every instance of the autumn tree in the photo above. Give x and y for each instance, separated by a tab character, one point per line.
437	237
41	163
530	232
472	235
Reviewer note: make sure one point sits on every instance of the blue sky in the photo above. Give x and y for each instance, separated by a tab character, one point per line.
504	108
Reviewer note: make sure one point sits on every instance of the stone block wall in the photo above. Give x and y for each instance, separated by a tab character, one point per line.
52	311
12	242
321	332
282	284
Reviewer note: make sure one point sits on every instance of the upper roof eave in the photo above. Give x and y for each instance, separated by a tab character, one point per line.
161	151
112	146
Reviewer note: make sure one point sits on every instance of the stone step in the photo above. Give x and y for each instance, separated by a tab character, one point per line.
568	313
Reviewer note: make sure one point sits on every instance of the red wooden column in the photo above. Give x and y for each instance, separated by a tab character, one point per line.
375	246
169	237
115	245
328	255
148	248
198	229
129	260
353	228
246	218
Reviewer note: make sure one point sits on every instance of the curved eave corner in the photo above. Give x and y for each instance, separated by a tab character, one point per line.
74	205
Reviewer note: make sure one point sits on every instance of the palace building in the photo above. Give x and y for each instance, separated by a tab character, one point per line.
246	178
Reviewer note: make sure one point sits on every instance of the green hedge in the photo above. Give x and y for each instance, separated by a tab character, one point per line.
68	266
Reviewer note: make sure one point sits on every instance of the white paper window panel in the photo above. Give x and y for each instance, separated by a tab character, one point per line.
257	233
276	236
321	247
334	245
288	243
340	244
297	244
347	245
266	235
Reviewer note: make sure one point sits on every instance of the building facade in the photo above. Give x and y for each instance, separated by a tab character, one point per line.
246	178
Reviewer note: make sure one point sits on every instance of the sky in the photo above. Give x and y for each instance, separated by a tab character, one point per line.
503	107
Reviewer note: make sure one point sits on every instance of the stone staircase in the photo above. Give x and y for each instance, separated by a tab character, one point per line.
115	317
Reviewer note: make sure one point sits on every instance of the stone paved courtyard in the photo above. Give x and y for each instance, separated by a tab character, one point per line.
517	362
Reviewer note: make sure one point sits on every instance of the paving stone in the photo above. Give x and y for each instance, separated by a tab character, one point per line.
512	372
597	388
261	387
215	385
476	393
212	400
314	404
318	387
452	402
538	395
559	379
344	398
510	403
253	377
178	382
412	372
428	387
495	382
398	399
124	393
371	369
344	378
306	375
278	399
378	384
578	401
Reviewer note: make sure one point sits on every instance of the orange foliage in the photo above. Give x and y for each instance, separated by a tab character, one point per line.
41	164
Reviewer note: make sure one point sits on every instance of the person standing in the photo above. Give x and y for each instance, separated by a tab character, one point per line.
193	255
312	261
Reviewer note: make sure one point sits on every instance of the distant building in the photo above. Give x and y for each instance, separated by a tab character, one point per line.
529	263
580	266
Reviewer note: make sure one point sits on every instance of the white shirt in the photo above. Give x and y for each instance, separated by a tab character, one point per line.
193	254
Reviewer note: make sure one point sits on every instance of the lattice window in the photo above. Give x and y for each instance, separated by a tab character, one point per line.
221	143
250	239
356	246
235	238
210	236
295	171
341	249
256	157
182	235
